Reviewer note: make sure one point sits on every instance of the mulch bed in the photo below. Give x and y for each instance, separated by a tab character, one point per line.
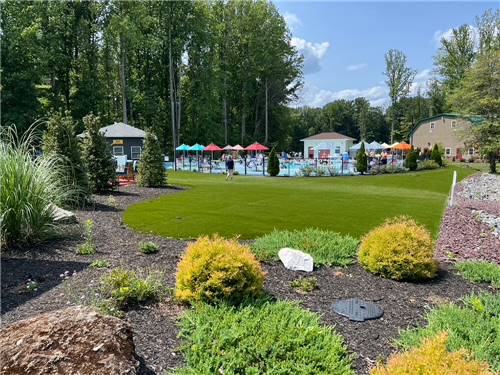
155	326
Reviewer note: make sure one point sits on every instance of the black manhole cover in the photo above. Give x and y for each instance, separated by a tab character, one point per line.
358	310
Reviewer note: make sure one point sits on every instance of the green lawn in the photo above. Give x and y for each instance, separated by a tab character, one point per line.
252	206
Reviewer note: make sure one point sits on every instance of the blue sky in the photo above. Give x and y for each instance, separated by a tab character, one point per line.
344	42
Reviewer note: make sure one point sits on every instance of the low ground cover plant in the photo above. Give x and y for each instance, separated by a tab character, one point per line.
214	269
427	164
326	247
88	248
399	249
124	288
433	358
267	338
474	327
29	187
148	247
100	263
480	272
305	285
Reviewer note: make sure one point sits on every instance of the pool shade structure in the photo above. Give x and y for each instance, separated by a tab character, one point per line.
403	146
257	147
238	148
212	147
357	310
228	148
182	147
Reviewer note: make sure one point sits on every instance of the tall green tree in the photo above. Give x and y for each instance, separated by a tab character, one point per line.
362	159
399	77
151	169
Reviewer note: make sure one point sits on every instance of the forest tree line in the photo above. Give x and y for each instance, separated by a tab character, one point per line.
196	71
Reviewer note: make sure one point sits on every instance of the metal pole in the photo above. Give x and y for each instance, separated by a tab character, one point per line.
263	165
452	193
245	161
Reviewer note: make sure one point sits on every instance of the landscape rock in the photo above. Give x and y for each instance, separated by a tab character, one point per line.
62	216
75	340
296	260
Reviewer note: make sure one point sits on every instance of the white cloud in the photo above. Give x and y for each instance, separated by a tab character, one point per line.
312	52
423	75
448	34
355	67
292	20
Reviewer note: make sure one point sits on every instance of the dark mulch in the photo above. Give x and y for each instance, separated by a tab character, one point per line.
155	327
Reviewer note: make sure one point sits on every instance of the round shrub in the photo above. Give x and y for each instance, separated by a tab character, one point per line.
399	249
216	270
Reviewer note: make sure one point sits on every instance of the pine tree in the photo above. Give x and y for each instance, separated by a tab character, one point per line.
151	170
361	159
273	166
436	155
99	162
411	160
60	139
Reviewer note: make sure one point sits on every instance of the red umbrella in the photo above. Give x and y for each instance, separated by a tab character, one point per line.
256	147
213	147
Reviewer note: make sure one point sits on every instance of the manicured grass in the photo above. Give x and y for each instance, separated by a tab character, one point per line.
475	327
252	206
278	338
326	247
480	272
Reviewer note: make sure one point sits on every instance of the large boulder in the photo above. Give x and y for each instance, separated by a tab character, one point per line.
62	216
74	340
296	260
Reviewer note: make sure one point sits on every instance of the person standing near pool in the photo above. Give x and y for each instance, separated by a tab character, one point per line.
230	168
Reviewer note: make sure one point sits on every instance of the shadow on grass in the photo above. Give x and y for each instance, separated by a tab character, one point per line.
44	275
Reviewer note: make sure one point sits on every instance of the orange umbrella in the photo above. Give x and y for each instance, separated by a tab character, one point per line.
403	146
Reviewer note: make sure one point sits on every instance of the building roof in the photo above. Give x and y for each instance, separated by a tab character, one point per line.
474	119
327	136
120	130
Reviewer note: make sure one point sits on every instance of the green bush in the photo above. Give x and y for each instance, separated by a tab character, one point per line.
60	139
305	285
480	272
361	159
273	166
276	338
399	249
427	164
218	270
151	170
125	288
326	247
149	247
411	160
436	155
101	263
29	186
99	161
475	327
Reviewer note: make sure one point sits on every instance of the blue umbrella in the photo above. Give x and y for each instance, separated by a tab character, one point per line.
196	147
182	147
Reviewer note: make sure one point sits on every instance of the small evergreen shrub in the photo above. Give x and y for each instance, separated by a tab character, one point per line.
432	358
124	288
269	338
88	248
427	164
399	249
474	327
215	270
411	160
480	272
436	155
151	170
273	166
60	140
305	285
99	161
149	247
361	159
326	247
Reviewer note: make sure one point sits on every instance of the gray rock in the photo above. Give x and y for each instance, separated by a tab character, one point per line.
296	260
62	216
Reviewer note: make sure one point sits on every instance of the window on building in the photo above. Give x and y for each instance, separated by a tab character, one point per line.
471	151
135	152
118	150
433	125
337	150
453	124
447	151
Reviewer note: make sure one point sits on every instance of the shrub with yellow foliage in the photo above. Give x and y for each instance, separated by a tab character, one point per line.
399	249
218	270
432	358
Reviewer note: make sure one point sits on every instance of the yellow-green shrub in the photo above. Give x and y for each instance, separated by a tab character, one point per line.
215	269
432	358
399	249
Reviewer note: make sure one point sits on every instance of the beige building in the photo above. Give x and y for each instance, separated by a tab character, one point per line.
446	129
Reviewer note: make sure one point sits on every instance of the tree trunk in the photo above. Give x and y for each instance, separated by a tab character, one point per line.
243	130
171	89
224	108
123	80
266	137
178	94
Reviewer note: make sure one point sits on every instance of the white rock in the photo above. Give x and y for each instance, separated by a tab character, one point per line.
296	260
63	216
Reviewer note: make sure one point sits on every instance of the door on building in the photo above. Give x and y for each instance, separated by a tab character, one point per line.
459	154
310	152
324	154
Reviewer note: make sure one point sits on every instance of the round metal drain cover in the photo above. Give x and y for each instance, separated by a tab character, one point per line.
357	310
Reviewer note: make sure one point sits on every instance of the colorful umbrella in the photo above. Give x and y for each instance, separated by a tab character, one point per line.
237	148
182	147
196	147
403	146
228	148
256	147
213	147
